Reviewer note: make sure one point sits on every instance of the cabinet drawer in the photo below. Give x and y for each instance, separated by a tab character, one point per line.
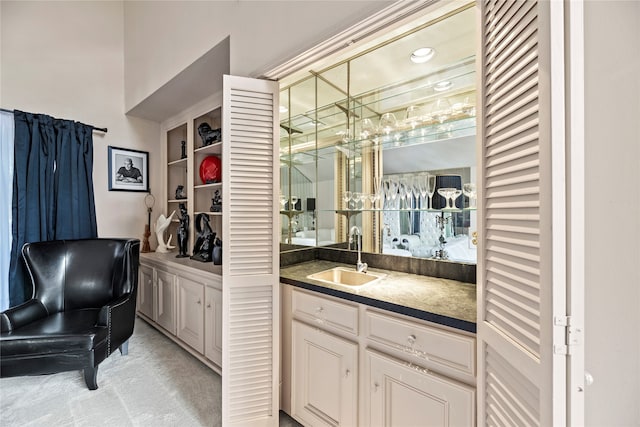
325	311
448	350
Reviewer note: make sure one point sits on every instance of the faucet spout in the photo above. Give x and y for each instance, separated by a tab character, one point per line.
361	267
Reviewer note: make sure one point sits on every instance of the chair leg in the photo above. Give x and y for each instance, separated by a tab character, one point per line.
124	348
91	377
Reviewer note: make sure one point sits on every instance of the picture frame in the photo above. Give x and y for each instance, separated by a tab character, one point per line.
128	170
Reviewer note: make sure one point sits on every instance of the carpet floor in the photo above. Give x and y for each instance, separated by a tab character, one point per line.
157	384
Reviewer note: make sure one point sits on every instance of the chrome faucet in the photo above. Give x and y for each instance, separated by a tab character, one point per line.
361	267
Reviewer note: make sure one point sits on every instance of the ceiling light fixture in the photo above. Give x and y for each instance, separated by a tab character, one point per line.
422	55
442	86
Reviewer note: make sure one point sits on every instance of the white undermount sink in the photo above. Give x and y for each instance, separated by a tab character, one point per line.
345	277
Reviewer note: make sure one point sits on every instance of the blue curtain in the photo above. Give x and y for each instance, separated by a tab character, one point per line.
52	188
6	192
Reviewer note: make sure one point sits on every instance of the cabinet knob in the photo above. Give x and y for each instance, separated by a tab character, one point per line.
199	301
411	339
346	373
319	310
376	386
209	305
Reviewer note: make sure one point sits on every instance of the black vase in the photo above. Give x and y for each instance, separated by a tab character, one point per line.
217	252
447	181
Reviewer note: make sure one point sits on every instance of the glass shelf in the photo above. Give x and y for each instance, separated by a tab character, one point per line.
293	213
209	186
179	162
208	213
177	201
215	148
347	211
394	97
457	127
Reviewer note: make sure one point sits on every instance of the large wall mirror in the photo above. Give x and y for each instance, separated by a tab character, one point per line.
385	140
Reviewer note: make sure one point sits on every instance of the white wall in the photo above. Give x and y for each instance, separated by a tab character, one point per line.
612	235
163	38
66	59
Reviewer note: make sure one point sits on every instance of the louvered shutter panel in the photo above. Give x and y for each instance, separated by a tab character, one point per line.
250	268
515	265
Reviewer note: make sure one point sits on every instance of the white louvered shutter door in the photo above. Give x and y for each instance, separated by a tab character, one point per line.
520	380
250	254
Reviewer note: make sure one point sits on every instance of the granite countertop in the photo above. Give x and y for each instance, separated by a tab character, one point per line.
444	301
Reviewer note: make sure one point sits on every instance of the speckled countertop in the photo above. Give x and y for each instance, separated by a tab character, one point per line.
444	301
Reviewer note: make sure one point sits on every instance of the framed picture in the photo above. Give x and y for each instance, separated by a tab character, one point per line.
128	170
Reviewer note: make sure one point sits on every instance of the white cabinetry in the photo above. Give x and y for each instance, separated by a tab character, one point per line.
416	373
352	364
156	297
212	324
145	291
165	292
185	305
191	319
402	394
324	358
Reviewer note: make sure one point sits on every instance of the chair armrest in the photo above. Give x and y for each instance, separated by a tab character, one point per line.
119	317
20	315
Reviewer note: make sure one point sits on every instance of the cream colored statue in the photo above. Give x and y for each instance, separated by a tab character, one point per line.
161	224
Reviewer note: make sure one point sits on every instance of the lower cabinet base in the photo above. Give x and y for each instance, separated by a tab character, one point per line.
348	364
181	344
402	394
324	376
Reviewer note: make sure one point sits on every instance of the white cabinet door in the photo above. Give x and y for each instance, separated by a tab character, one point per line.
145	291
324	389
400	394
213	325
191	318
522	267
166	300
250	248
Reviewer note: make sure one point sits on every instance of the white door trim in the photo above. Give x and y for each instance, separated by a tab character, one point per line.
576	215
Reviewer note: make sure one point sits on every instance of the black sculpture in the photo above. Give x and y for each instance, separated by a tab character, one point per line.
183	153
217	251
216	202
180	192
208	135
203	248
183	232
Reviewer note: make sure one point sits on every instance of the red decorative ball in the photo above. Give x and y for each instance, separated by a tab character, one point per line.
211	170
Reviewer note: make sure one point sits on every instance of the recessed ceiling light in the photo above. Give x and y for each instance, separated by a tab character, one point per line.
283	109
422	55
442	86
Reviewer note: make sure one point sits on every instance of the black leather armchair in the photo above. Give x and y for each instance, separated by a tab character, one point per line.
83	308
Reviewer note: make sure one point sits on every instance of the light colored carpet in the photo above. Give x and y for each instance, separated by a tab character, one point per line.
156	384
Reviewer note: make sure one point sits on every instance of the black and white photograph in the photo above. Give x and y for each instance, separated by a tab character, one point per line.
128	170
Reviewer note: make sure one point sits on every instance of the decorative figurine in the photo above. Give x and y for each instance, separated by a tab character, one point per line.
217	251
203	247
183	232
161	225
210	170
208	135
216	202
149	201
180	192
183	154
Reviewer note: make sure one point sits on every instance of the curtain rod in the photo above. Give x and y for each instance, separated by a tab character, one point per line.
94	127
